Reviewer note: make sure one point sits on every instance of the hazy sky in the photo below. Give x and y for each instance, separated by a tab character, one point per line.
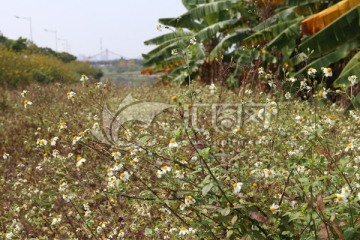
121	26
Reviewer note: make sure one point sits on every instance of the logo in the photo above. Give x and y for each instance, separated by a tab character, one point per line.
222	117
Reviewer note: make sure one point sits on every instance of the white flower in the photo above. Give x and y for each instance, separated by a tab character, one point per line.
329	120
27	103
345	191
83	78
292	79
193	41
267	173
261	71
63	186
287	95
70	95
248	91
189	200
174	52
100	84
75	139
23	93
117	167
311	71
322	93
341	198
56	220
352	79
173	144
116	155
61	126
212	88
41	142
327	72
183	231
299	119
6	156
124	176
53	141
80	161
274	208
179	174
237	187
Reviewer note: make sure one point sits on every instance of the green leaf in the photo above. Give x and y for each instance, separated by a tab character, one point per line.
351	68
206	189
225	211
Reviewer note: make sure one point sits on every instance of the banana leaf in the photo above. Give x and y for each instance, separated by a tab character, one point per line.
344	29
351	68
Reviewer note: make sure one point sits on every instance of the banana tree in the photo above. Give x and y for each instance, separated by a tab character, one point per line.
209	22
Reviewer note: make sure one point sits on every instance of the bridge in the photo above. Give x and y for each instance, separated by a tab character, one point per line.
103	57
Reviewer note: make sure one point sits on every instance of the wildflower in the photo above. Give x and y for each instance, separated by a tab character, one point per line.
166	169
56	220
61	126
274	208
55	153
236	130
23	93
287	95
70	95
193	41
345	191
124	176
311	71
80	161
237	187
327	72
322	93
248	91
174	98
174	52
26	103
116	155
41	142
189	200
292	79
349	146
299	119
53	141
352	79
268	173
183	231
261	71
189	106
329	120
6	156
173	144
84	78
300	168
341	198
179	174
75	139
100	84
212	88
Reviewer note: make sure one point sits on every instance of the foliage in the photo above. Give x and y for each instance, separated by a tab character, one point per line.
22	62
234	36
282	169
